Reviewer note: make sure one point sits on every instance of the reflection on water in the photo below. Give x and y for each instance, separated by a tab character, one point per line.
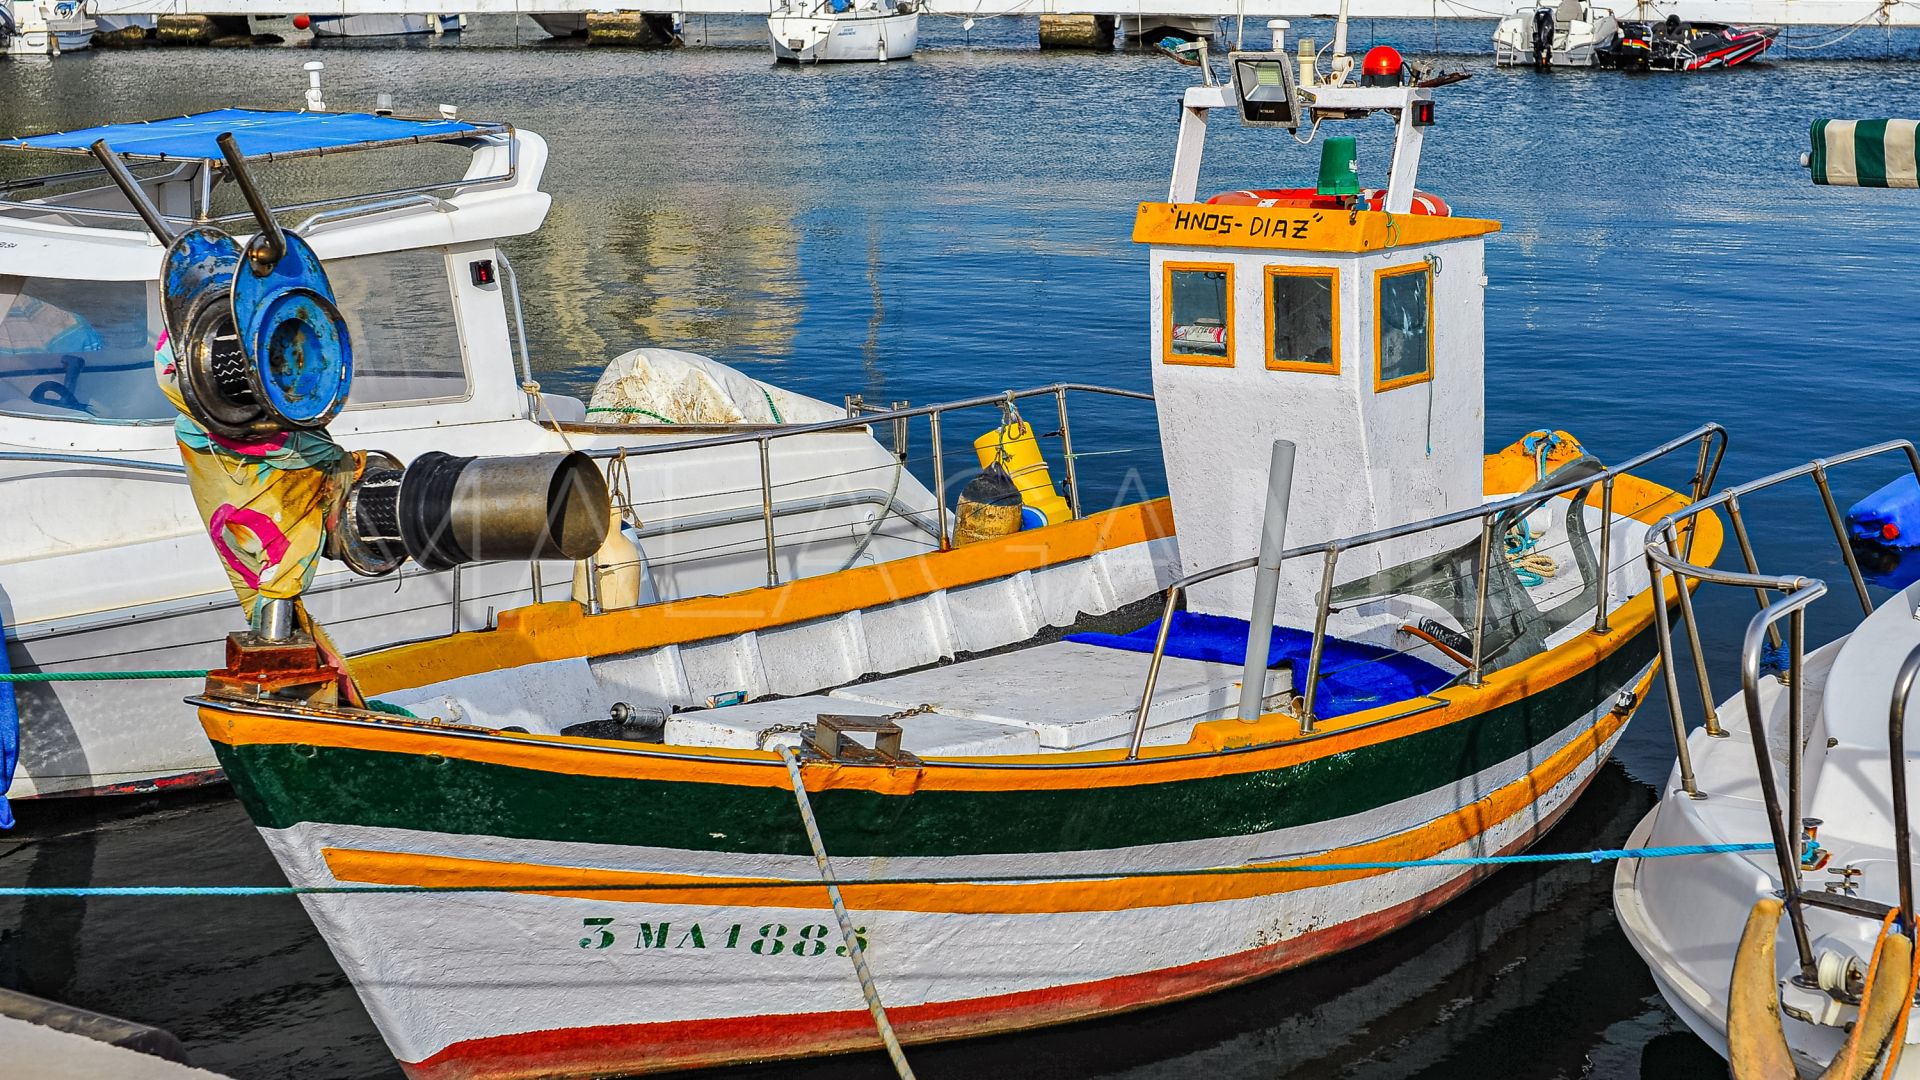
960	224
1887	567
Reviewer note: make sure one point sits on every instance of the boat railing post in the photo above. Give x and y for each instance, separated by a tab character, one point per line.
1747	556
1796	725
1322	609
1066	449
766	512
1663	637
1785	852
1606	556
1710	710
539	591
939	477
1153	673
1897	761
1266	582
1840	534
1481	573
594	606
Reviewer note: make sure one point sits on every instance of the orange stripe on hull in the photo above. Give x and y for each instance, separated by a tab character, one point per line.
634	1049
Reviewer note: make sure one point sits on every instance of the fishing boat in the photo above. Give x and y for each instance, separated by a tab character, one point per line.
103	560
1350	655
827	31
47	28
1796	958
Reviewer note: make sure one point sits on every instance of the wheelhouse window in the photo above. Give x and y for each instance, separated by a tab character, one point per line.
1199	315
1403	326
1303	320
406	339
79	350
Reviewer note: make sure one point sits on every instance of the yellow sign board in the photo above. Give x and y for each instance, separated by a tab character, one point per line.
1297	228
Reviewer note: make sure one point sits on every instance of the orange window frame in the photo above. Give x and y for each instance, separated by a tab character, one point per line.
1380	383
1167	353
1332	274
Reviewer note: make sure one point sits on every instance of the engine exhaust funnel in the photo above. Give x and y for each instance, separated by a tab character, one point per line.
445	511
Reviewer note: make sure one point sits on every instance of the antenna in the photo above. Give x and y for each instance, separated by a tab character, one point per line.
1342	65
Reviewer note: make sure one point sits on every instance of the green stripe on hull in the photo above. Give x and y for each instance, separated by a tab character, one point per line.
281	786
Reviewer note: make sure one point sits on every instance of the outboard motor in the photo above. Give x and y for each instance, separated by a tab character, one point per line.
1542	37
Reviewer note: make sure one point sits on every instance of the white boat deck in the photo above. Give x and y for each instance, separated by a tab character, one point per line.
1062	696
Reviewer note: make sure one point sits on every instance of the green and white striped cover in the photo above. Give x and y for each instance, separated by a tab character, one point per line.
1864	153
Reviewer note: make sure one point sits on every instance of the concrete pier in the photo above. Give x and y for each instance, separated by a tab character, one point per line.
632	28
1076	31
50	1041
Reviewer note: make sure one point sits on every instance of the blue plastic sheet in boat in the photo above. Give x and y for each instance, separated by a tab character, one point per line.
261	133
1889	516
1354	676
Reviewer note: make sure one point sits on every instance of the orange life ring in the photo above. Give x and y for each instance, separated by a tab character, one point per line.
1369	199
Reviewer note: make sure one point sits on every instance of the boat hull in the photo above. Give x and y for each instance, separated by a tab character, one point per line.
842	38
757	970
377	25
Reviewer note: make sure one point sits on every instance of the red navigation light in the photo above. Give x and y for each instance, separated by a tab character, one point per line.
1423	113
1381	67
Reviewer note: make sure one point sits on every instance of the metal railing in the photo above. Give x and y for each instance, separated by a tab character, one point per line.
1673	562
1710	438
764	437
1795	594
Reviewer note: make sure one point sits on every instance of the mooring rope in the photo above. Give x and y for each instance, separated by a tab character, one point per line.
100	676
854	951
1598	856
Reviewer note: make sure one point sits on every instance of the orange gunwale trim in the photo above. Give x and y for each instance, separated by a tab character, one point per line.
561	631
1117	893
1219	748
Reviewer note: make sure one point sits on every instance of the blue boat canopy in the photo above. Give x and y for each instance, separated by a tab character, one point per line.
262	133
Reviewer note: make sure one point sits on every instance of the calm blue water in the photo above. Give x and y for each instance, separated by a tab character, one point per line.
959	224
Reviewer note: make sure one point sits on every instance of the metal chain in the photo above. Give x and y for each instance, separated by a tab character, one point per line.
767	733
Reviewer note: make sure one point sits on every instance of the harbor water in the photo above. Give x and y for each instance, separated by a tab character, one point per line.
958	224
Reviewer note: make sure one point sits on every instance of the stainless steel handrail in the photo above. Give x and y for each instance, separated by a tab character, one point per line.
1711	438
1897	763
762	439
60	458
1667	557
1781	820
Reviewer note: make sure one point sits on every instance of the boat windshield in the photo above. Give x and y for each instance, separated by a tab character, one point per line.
79	350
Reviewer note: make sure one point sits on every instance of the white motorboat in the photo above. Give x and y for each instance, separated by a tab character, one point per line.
824	31
47	28
1571	33
104	561
384	25
1798	957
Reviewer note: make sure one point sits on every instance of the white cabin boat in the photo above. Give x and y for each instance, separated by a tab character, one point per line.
46	28
1797	957
1571	33
104	562
826	31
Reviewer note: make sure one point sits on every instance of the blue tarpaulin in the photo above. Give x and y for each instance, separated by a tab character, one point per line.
259	133
9	733
1354	675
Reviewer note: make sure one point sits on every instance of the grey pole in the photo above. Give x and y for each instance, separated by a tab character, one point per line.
1266	581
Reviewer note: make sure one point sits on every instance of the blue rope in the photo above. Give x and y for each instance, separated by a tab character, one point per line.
1598	856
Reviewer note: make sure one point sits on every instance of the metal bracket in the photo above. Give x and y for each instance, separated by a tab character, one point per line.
829	739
